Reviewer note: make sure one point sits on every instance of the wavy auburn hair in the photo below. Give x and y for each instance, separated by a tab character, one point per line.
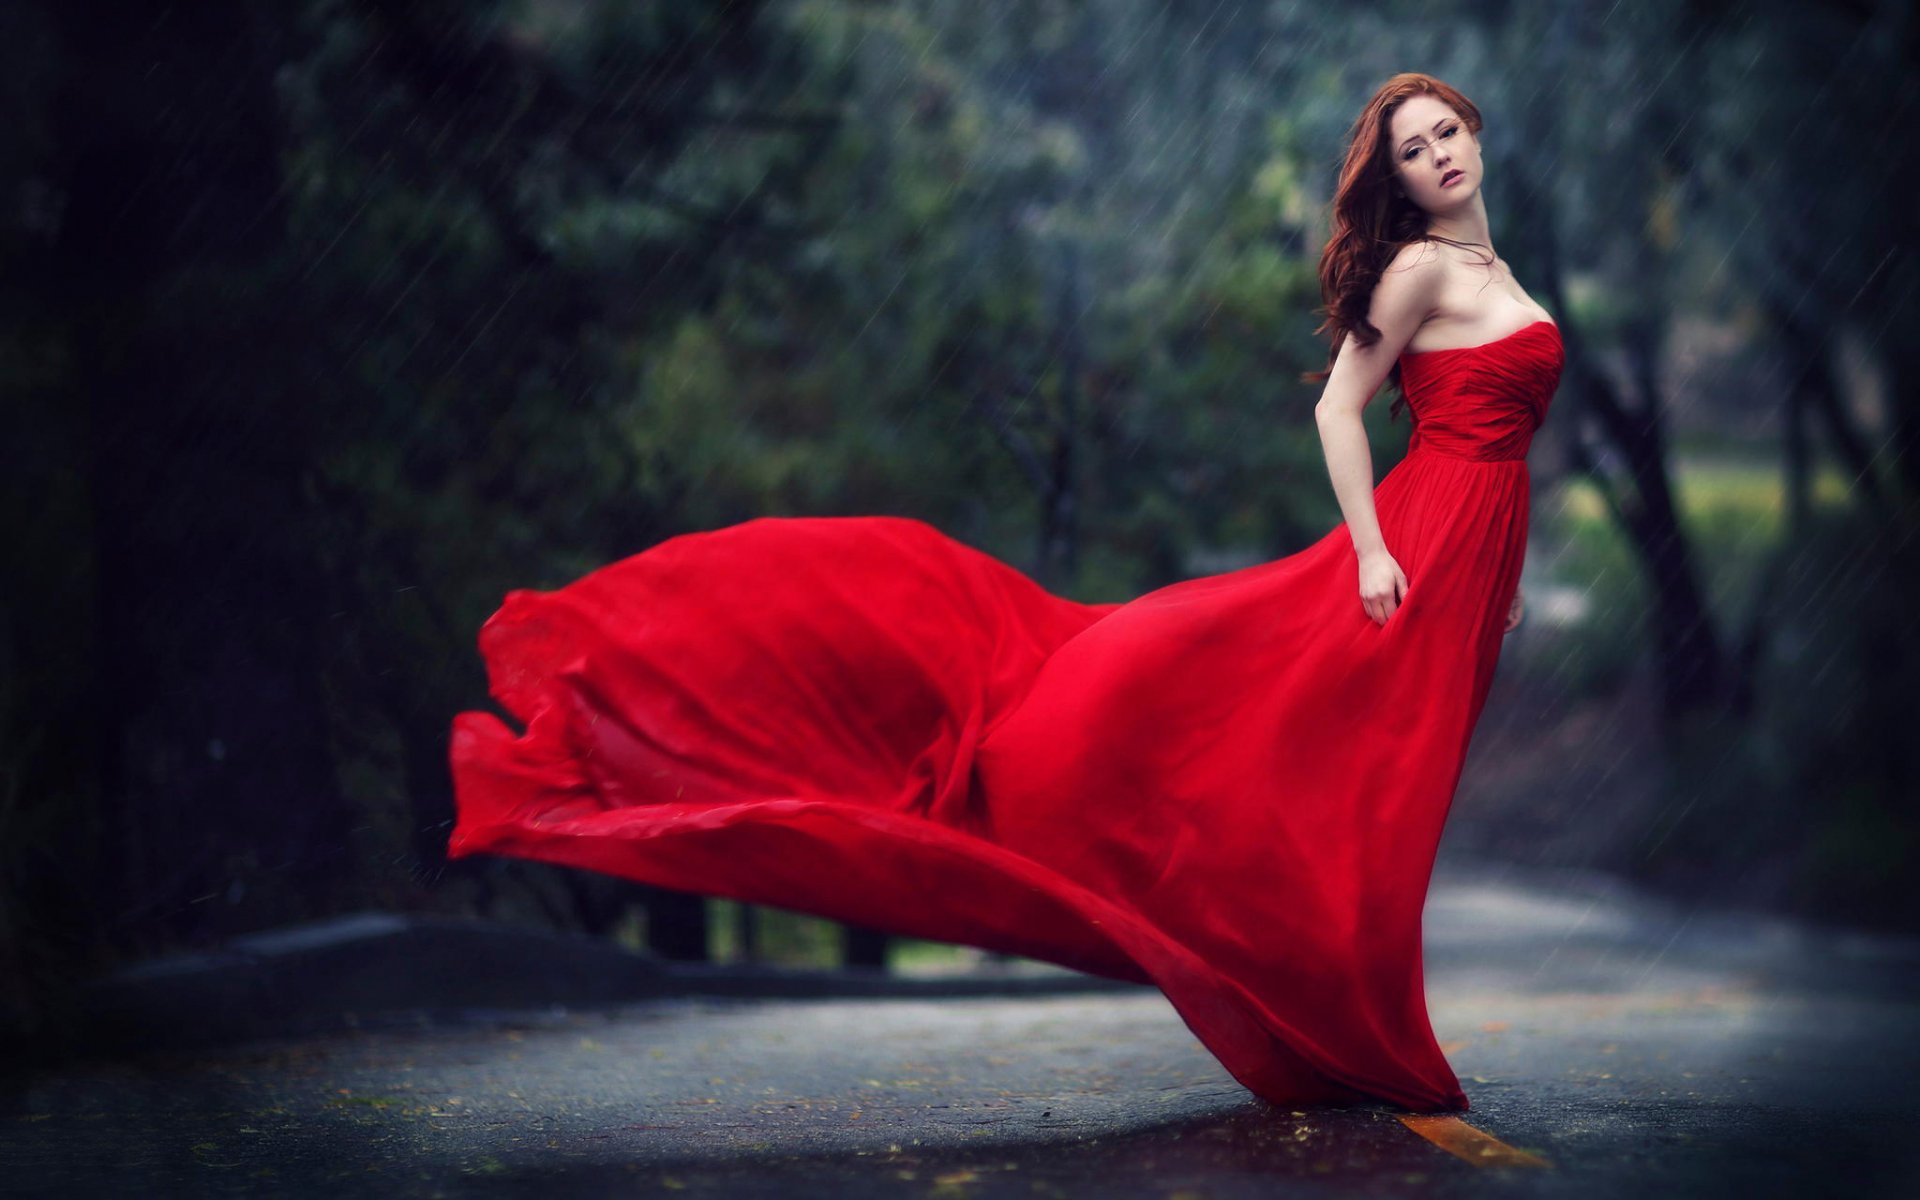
1371	221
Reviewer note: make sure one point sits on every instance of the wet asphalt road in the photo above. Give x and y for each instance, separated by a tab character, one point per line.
1610	1046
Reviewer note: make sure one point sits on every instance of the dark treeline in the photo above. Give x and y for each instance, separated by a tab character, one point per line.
327	323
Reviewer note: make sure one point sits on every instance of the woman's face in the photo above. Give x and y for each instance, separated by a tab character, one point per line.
1430	143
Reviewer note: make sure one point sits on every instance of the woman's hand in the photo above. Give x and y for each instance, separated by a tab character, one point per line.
1382	585
1513	612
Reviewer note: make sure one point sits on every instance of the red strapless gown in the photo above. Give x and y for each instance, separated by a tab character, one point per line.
1232	787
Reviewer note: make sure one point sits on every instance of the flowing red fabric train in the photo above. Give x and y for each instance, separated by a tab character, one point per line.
1232	787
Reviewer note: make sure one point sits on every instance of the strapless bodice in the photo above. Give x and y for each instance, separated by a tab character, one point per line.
1485	401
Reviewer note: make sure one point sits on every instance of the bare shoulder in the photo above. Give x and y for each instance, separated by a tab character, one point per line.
1418	258
1414	278
1409	290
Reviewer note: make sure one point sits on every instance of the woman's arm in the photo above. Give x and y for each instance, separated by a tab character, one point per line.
1405	296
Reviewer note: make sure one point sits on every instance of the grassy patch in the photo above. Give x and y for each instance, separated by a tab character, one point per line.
1732	510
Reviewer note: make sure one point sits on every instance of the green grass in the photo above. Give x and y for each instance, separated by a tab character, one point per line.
783	938
796	940
1733	510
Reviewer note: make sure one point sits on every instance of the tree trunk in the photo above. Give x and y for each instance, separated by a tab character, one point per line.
208	709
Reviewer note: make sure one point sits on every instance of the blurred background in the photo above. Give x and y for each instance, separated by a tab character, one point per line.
327	323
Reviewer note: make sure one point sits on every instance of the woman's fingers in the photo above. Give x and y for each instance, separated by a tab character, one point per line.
1380	598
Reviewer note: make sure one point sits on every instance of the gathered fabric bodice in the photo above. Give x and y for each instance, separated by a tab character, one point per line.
1483	402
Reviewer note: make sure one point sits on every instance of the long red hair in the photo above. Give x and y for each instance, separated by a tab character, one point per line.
1371	220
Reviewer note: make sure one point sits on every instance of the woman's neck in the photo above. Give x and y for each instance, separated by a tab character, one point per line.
1470	226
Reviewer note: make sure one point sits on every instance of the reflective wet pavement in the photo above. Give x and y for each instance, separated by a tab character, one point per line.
1609	1045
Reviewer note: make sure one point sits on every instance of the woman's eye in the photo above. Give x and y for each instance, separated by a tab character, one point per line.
1448	132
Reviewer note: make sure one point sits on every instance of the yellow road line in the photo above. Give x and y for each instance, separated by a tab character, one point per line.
1458	1138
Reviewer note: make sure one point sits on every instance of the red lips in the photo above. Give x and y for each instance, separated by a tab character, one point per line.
1450	176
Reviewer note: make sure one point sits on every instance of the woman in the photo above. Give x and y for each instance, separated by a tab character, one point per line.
1428	297
1232	787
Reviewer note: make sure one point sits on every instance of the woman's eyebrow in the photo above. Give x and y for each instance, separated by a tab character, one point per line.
1436	125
